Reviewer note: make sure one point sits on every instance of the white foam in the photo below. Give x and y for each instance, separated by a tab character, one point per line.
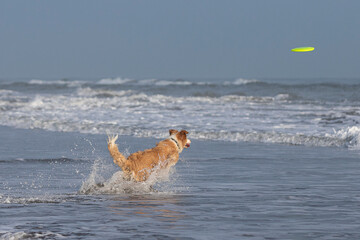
166	83
160	82
121	80
282	97
69	83
90	92
114	81
13	236
147	81
273	137
42	82
241	81
236	98
285	126
6	92
37	102
351	135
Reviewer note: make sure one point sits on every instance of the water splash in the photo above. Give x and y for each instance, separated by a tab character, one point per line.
160	180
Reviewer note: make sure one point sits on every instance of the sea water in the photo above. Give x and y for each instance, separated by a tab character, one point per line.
270	159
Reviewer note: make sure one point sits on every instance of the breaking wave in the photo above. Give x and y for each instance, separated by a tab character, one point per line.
351	135
122	81
348	137
241	81
236	110
273	119
69	83
293	83
114	81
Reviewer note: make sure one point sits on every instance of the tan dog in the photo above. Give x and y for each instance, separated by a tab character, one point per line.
138	166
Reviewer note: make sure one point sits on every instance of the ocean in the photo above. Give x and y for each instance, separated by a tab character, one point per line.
270	159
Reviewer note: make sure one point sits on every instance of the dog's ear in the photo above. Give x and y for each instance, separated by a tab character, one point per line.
173	131
184	131
182	135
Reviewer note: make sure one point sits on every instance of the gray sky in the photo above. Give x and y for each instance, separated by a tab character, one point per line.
188	39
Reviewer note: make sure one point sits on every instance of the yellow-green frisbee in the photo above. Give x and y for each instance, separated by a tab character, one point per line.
303	49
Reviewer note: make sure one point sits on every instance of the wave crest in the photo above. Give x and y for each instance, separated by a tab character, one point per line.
274	137
114	81
68	83
101	93
241	81
351	135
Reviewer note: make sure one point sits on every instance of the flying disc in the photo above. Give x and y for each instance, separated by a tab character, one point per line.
303	49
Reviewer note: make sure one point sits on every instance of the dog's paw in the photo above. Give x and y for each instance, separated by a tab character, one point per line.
112	139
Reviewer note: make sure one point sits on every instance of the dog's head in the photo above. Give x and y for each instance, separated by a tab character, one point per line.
180	137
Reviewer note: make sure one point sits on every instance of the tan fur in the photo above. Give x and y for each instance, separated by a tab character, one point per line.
138	166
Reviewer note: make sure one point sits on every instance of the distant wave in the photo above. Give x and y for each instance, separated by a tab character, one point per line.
241	81
121	81
130	95
166	83
101	93
184	82
5	92
155	82
114	81
69	83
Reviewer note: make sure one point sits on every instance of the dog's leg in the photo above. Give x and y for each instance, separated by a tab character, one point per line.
119	159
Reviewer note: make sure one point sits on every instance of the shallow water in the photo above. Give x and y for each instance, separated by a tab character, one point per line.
217	190
270	159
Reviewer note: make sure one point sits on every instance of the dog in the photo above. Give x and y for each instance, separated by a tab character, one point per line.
139	165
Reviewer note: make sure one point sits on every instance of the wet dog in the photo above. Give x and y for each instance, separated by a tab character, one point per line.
138	166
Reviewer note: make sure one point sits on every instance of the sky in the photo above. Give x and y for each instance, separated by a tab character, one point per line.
179	39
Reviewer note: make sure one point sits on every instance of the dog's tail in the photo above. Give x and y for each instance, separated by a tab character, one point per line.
119	159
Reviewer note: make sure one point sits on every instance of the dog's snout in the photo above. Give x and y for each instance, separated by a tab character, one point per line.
187	143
